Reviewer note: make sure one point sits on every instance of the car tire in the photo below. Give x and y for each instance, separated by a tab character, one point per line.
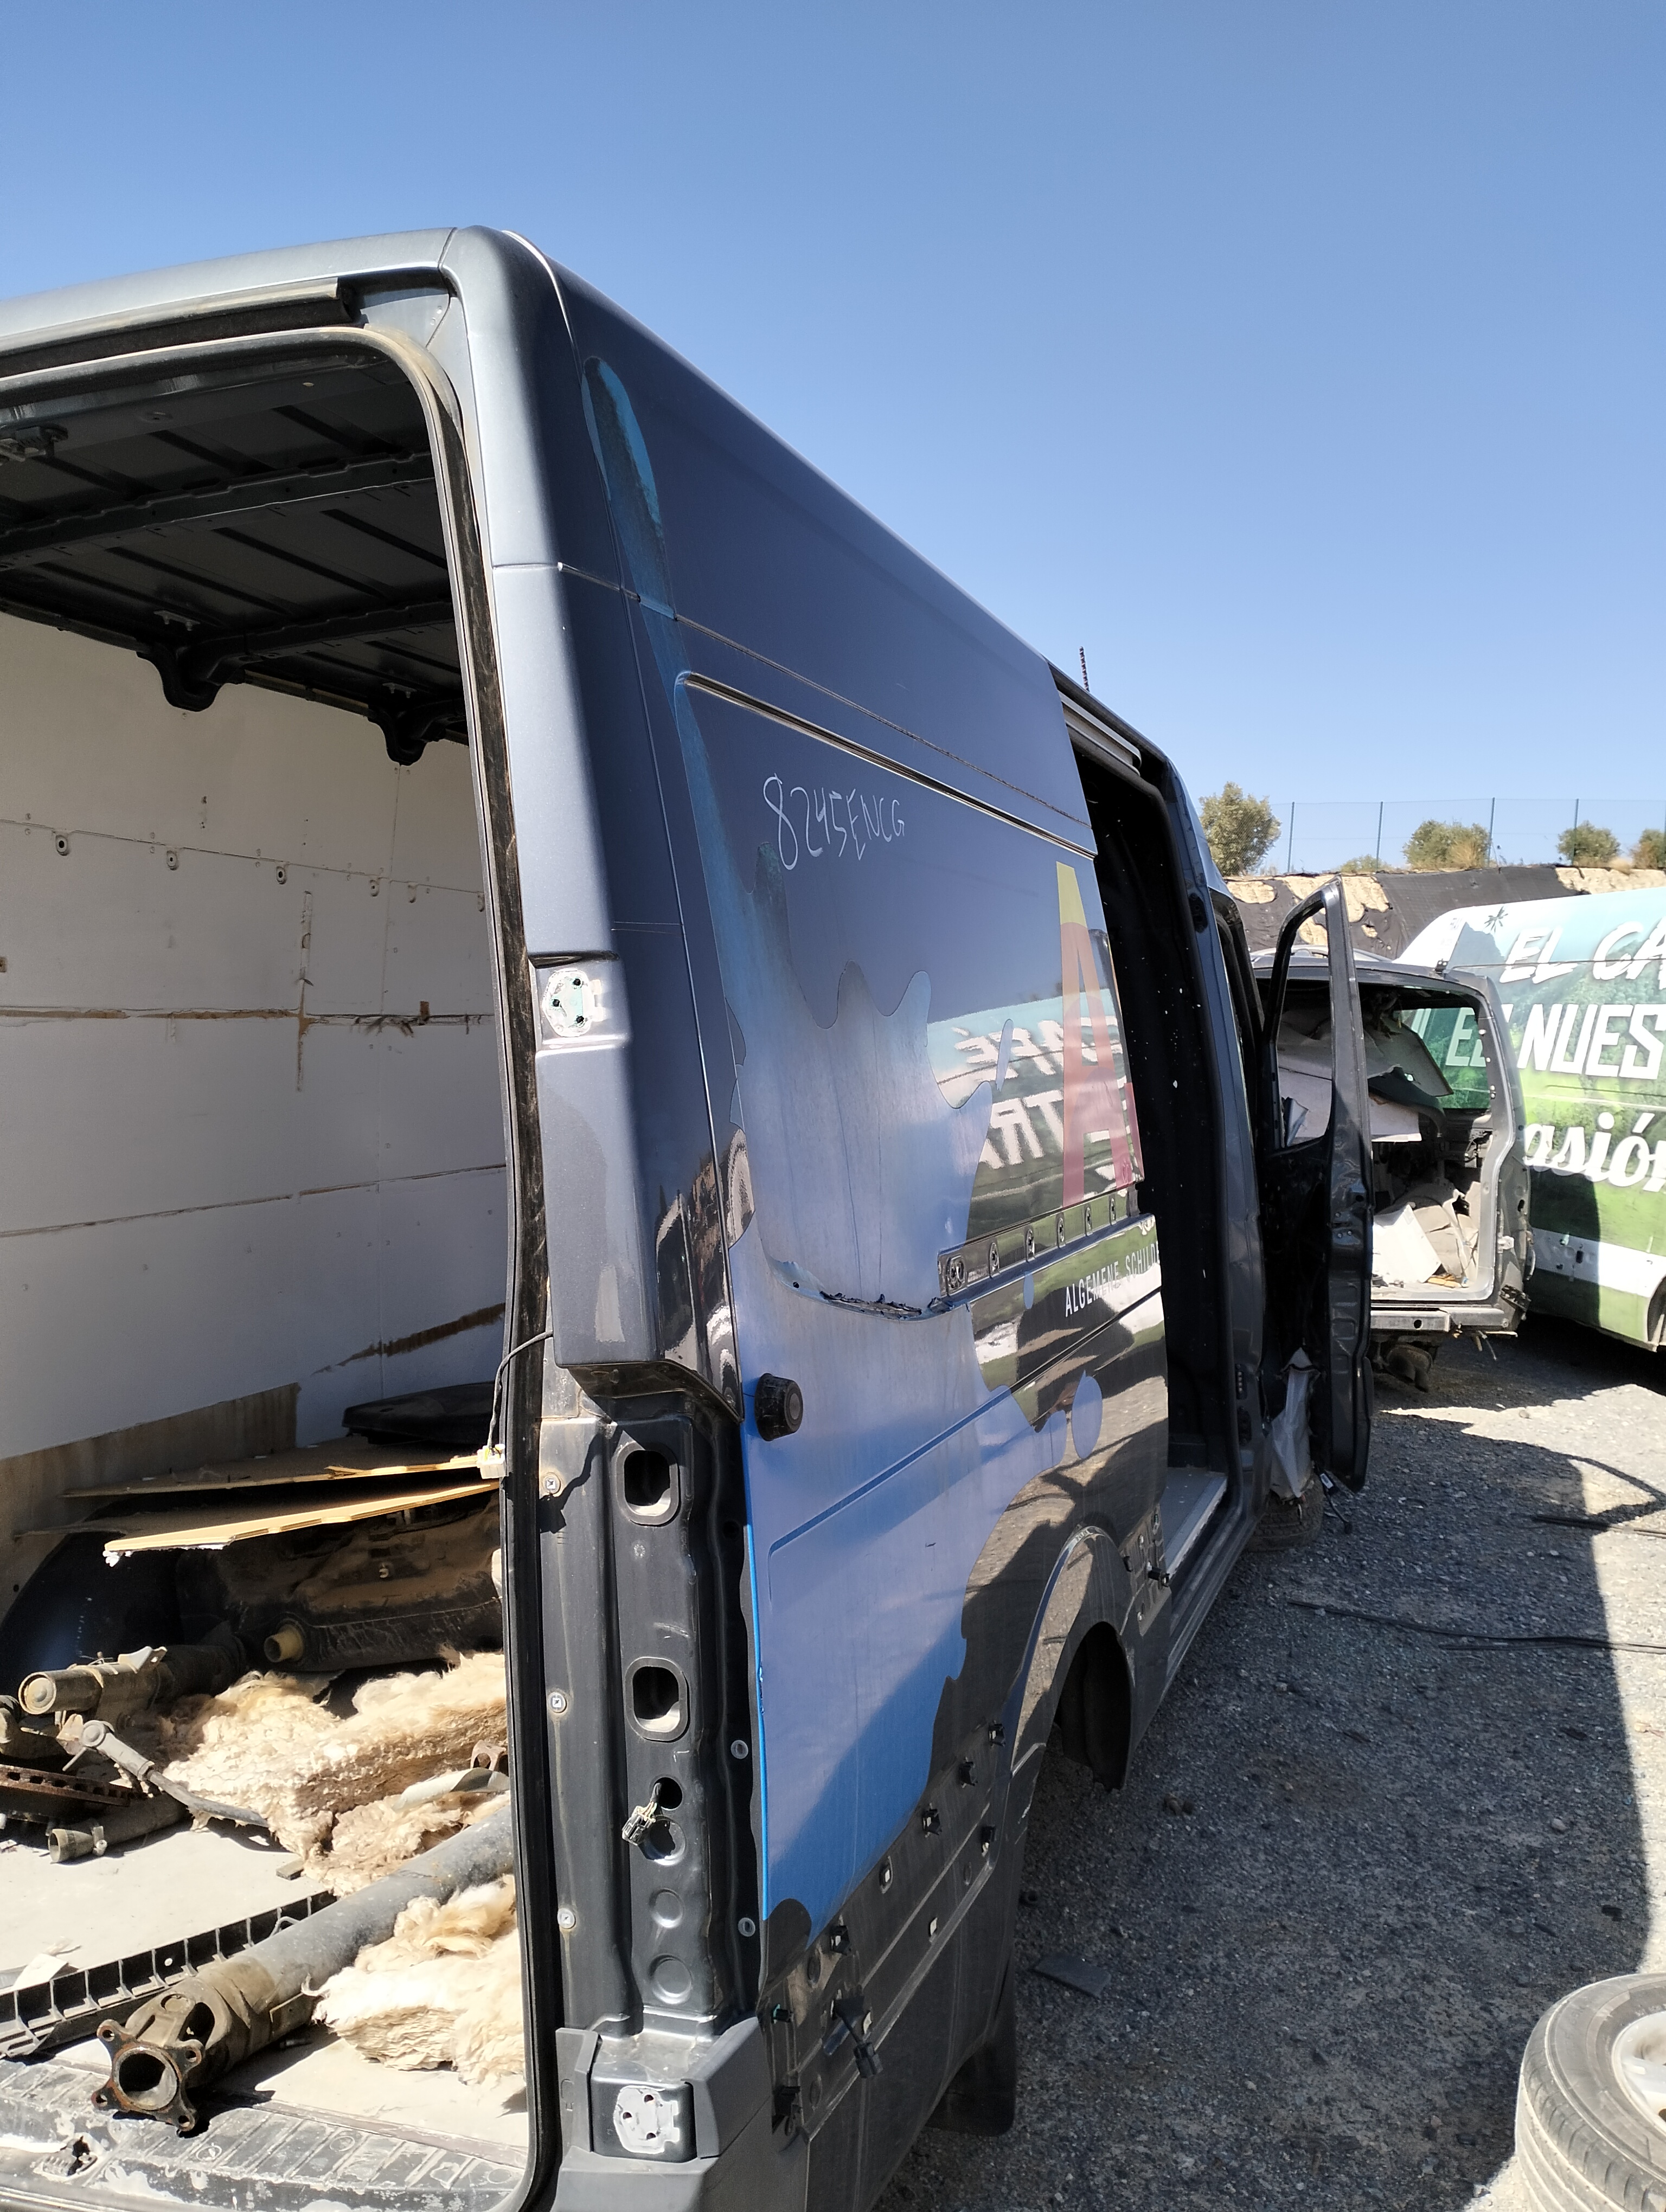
983	2100
1591	2109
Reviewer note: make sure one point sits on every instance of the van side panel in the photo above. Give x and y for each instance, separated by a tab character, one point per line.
898	1015
762	551
904	1111
881	941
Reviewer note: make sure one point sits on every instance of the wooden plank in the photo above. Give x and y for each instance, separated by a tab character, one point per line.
210	1528
136	1526
347	1458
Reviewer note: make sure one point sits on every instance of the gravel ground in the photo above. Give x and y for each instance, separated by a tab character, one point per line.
1354	1862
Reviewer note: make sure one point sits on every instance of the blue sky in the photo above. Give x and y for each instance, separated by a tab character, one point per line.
1302	362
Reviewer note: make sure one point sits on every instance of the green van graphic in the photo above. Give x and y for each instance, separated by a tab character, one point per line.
1583	982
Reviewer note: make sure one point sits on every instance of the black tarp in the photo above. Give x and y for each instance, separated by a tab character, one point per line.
1413	899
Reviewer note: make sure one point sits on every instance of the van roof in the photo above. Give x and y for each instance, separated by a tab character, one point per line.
314	286
146	296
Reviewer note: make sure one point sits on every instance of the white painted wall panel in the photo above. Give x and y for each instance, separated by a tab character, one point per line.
431	1221
115	1119
427	847
278	779
236	1156
134	1320
432	940
216	931
373	1105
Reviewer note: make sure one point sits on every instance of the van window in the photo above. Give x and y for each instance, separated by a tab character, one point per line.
1456	1047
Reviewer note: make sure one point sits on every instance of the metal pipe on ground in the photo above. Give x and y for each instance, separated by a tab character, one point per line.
202	2024
125	1826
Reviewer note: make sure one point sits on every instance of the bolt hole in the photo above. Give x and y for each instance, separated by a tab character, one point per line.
663	1843
656	1700
646	1481
671	1794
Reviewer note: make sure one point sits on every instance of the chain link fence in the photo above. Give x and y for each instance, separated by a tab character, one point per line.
1316	834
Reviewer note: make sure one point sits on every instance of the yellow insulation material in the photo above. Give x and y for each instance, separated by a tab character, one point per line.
264	1742
444	1990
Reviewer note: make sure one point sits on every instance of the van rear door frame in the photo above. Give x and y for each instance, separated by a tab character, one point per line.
173	354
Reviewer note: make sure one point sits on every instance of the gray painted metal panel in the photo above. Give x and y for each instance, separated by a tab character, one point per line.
150	292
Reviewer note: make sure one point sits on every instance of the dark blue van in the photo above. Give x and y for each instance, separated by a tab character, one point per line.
512	875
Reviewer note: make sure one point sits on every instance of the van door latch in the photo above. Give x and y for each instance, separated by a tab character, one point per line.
644	1819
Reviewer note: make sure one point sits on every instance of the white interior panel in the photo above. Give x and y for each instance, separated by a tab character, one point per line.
258	775
248	1051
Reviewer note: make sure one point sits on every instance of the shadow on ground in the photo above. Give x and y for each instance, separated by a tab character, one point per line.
1395	1850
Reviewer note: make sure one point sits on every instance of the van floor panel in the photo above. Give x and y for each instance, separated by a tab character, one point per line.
267	2155
313	2076
171	1886
318	2074
151	1892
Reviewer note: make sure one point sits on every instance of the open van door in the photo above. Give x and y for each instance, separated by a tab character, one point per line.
1313	1156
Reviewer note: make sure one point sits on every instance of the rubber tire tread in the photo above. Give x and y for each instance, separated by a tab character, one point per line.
1581	2144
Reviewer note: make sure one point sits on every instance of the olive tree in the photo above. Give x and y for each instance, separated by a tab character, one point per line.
1241	830
1588	845
1435	844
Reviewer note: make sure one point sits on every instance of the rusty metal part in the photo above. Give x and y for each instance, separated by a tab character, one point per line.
68	2007
100	1736
319	1646
133	1682
123	1825
183	2038
27	1746
45	1797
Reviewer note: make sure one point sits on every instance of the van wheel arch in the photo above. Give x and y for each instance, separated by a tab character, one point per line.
1095	1711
